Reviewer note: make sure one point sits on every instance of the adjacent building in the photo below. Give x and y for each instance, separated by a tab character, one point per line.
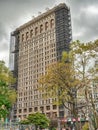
95	86
33	47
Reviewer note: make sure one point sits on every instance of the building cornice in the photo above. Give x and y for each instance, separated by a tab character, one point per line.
62	5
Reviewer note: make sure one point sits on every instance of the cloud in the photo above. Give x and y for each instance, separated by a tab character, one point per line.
93	10
84	19
13	13
84	14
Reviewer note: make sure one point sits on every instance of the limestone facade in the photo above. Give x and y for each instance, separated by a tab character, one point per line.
39	43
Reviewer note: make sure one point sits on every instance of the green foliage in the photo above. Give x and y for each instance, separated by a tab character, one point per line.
53	128
59	82
5	104
7	91
7	94
24	122
73	75
5	74
86	55
38	119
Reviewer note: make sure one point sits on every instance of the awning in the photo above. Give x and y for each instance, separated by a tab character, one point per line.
72	119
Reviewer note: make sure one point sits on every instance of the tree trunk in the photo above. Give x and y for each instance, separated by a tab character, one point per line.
75	114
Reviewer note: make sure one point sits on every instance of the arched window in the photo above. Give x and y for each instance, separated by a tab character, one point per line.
31	33
36	30
46	26
41	28
27	35
52	23
22	37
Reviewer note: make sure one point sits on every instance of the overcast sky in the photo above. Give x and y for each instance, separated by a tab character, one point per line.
13	13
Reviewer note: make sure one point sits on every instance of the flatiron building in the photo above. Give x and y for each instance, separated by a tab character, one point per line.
34	46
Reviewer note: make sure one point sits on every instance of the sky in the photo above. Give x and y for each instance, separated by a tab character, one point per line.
13	13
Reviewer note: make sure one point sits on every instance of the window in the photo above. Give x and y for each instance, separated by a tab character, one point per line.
61	114
36	30
30	109
36	97
35	109
48	107
54	107
46	26
25	110
20	110
41	28
15	111
52	23
42	109
27	35
22	37
31	33
48	114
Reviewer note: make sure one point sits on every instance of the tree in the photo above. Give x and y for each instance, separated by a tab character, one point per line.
5	74
4	106
85	56
7	94
39	120
85	126
70	81
61	82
